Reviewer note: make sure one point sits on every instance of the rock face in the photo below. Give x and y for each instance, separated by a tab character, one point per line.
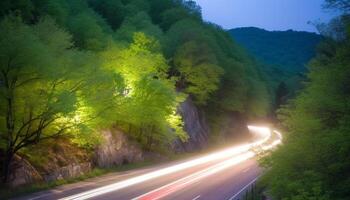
116	149
69	171
23	172
195	125
64	160
232	128
54	160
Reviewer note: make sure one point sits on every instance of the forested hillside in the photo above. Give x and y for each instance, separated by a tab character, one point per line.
314	161
290	50
70	68
283	57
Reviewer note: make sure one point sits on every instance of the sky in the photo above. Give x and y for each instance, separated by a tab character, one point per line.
266	14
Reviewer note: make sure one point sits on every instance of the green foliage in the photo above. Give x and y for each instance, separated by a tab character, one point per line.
58	78
139	22
74	67
23	7
314	161
198	70
112	10
87	33
213	69
284	55
290	50
150	97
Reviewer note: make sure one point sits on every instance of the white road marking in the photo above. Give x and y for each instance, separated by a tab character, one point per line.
244	188
197	197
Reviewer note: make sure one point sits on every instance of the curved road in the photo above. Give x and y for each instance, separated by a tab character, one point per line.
221	175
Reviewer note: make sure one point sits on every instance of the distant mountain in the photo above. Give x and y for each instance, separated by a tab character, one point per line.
290	50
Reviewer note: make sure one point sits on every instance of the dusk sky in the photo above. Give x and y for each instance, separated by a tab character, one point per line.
267	14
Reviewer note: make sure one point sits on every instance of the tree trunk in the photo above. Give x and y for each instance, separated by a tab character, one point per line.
150	138
129	129
6	165
10	126
140	134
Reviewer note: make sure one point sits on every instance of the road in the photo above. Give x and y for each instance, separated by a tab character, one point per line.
220	175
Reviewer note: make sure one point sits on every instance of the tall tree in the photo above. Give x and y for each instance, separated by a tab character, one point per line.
199	73
43	86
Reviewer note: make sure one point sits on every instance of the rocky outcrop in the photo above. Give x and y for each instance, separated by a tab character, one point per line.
116	149
69	171
60	159
196	127
23	172
51	160
231	128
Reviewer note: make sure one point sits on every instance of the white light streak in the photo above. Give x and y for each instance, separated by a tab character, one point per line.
263	134
183	182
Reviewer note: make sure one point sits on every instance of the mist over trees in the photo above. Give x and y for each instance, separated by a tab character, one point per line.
70	68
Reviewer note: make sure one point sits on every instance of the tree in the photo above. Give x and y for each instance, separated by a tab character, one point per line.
281	94
23	8
313	162
150	99
171	16
343	5
158	7
56	9
139	22
43	87
198	70
87	32
112	10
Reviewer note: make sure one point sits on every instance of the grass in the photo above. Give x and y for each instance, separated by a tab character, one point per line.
8	192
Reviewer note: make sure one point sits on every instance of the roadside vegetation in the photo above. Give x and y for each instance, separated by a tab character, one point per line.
314	161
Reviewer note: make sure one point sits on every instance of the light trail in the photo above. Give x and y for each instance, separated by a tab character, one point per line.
193	178
263	133
183	182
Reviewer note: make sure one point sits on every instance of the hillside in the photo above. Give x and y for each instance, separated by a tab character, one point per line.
289	49
151	70
282	57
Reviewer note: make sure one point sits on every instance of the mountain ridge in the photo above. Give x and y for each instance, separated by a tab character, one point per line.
290	49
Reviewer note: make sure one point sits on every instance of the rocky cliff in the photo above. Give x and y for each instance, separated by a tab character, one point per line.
63	160
23	172
116	149
195	125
